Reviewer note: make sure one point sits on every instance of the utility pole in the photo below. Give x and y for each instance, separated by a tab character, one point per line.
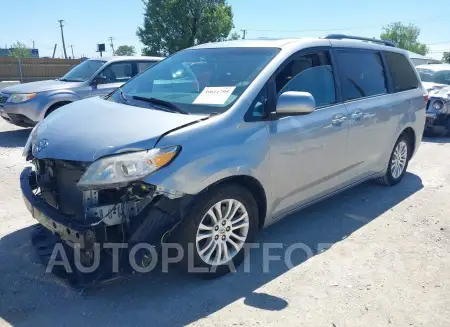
73	56
54	50
112	45
244	33
62	36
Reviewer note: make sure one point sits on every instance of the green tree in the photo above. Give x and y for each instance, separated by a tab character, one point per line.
446	57
173	25
234	36
125	50
20	51
405	37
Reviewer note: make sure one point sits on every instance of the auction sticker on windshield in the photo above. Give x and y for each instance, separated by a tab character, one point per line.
214	95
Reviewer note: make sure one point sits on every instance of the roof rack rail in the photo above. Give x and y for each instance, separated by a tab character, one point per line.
360	38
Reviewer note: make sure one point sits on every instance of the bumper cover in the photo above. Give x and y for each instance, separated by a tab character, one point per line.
159	217
28	111
151	226
70	231
437	121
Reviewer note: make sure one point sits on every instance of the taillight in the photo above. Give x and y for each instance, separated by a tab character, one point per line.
426	97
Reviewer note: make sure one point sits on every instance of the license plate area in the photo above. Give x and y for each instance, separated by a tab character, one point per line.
70	235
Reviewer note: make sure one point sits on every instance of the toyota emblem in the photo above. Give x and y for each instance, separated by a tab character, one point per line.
41	145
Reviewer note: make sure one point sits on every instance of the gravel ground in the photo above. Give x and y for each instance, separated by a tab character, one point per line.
388	264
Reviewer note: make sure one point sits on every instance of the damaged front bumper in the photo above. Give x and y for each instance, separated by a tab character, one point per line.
148	218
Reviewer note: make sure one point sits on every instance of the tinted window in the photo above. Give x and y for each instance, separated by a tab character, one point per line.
403	76
361	74
118	72
310	73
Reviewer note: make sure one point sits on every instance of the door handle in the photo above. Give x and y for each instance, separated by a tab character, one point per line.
338	120
356	115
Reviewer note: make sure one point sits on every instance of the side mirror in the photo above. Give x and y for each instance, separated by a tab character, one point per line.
294	103
99	79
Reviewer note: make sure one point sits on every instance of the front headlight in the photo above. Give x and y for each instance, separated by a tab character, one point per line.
27	147
438	104
125	168
18	98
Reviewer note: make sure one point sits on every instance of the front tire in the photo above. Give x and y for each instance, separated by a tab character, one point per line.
222	221
398	162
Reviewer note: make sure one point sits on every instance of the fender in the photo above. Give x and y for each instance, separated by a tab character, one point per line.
59	96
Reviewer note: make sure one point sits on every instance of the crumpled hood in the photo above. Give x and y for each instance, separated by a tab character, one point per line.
40	86
436	90
92	128
430	86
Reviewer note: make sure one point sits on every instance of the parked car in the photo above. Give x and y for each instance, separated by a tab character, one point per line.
436	80
26	104
220	140
418	59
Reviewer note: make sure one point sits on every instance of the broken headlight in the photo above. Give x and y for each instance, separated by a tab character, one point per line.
128	167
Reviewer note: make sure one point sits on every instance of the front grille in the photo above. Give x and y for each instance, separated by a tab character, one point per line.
57	180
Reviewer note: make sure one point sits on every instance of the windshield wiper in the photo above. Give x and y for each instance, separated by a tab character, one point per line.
172	107
70	80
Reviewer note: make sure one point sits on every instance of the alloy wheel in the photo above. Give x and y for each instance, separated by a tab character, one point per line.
222	232
399	159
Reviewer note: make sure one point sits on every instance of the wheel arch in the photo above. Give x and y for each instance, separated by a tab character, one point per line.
409	131
56	105
254	187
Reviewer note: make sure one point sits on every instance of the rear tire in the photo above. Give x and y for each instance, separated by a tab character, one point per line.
213	236
398	161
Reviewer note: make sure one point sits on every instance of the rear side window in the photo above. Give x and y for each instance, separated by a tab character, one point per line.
403	76
361	74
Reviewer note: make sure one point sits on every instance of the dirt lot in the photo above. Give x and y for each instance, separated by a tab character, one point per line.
388	264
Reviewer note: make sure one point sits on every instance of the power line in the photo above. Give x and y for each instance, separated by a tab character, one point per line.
429	20
62	37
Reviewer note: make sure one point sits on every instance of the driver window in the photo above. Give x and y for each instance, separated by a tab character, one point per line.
118	72
309	73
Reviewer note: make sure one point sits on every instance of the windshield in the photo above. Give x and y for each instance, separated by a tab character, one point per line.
429	75
83	71
202	81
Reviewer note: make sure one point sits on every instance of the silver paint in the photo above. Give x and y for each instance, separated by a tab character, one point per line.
297	160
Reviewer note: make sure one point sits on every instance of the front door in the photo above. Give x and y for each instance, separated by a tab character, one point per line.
308	152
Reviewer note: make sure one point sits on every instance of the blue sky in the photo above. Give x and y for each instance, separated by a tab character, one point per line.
88	22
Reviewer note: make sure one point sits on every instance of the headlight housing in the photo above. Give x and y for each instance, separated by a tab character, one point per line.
124	168
438	104
21	97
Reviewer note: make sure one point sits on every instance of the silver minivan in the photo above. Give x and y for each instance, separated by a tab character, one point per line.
212	144
26	104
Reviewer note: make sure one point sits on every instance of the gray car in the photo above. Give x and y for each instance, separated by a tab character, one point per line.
215	142
26	104
436	80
